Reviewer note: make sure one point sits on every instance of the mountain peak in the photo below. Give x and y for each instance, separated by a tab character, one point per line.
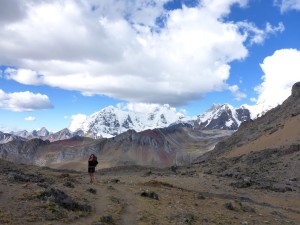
109	108
42	132
216	107
222	116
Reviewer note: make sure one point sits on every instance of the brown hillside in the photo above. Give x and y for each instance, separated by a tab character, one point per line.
287	134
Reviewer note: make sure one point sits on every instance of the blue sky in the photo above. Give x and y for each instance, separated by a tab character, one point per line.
62	58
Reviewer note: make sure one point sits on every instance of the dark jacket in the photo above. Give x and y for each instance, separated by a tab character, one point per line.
93	163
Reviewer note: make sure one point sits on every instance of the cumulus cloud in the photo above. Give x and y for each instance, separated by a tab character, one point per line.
77	121
23	101
29	118
286	5
281	71
135	51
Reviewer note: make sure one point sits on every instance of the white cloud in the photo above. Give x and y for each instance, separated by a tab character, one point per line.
258	36
77	121
286	5
234	89
220	8
115	48
281	71
29	118
23	76
142	107
23	101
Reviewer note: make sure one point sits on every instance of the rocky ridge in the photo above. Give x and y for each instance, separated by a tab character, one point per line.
157	147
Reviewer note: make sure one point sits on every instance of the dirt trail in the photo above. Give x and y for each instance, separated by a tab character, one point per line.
101	203
113	197
129	201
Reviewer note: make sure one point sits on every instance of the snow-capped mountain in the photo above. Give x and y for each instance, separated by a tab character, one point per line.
5	137
43	134
112	121
223	116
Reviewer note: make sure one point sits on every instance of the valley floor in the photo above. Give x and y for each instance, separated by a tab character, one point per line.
136	195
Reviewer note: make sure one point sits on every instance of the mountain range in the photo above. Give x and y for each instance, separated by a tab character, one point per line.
159	137
42	134
155	137
112	121
159	147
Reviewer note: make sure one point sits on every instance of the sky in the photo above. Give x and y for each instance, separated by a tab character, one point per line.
61	59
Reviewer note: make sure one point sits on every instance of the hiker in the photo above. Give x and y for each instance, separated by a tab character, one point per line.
91	169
